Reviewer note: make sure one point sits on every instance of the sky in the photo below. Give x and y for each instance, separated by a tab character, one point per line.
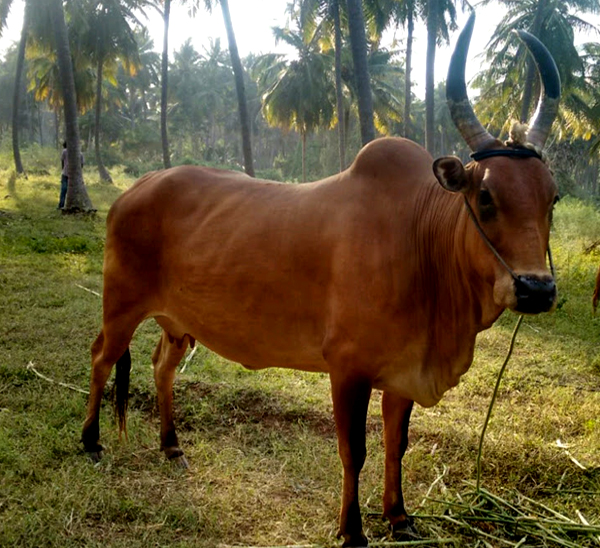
253	19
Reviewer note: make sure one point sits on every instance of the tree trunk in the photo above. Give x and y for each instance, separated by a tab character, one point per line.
164	87
531	67
17	94
358	43
304	156
410	25
77	197
432	26
238	72
104	174
335	8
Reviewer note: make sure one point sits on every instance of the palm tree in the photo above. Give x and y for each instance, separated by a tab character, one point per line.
18	91
299	93
187	88
137	85
30	9
164	85
238	73
408	15
358	42
77	197
385	13
108	38
327	12
554	23
441	18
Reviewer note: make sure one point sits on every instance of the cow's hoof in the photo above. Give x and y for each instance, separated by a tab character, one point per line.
176	456
180	461
95	456
358	540
405	530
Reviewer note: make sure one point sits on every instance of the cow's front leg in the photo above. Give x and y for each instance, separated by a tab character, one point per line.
350	404
396	416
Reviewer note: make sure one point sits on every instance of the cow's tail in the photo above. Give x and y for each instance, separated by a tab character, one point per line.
121	400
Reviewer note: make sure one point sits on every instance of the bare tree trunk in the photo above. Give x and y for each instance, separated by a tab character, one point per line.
358	43
164	87
304	156
339	98
410	24
18	93
77	197
238	72
104	174
432	25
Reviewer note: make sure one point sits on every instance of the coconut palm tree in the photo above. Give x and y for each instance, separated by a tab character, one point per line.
407	13
77	199
554	23
441	19
164	85
383	14
238	73
108	40
358	42
326	13
32	9
299	93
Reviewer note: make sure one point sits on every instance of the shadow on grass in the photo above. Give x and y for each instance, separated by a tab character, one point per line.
215	407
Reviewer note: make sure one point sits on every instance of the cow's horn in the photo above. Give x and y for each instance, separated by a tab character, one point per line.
476	136
541	121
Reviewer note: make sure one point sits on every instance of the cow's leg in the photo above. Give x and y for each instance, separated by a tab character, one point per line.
111	345
350	404
396	416
165	359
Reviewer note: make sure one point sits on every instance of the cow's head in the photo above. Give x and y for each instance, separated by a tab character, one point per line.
508	188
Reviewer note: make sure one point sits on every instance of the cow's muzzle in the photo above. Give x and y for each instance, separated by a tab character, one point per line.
534	294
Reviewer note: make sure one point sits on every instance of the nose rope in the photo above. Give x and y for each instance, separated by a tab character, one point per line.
493	249
487	241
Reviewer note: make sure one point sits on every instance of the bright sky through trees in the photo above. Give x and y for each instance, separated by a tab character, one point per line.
253	20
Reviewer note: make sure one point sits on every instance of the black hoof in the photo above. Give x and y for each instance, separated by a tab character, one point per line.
354	541
95	456
405	530
180	462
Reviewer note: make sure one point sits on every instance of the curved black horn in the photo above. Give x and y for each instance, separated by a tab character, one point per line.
476	136
541	121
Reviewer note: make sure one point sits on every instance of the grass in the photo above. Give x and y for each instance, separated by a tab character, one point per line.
262	448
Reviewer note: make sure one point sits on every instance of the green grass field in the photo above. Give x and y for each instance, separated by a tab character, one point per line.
262	448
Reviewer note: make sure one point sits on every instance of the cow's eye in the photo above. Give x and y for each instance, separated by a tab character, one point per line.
485	198
487	209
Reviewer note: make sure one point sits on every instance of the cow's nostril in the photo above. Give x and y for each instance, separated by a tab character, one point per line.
534	294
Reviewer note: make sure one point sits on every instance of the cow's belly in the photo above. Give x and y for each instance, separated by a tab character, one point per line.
256	343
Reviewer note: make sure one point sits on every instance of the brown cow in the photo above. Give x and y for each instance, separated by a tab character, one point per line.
378	276
596	295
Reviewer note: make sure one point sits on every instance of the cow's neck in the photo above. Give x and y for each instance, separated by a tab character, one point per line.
461	296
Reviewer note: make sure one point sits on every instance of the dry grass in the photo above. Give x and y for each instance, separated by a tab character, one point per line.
264	465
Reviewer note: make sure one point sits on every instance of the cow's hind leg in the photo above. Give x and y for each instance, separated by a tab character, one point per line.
165	359
350	404
396	416
111	346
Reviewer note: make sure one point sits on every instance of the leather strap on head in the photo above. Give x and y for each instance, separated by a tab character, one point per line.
512	152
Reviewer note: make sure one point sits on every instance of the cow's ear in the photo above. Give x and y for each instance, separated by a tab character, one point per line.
451	174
